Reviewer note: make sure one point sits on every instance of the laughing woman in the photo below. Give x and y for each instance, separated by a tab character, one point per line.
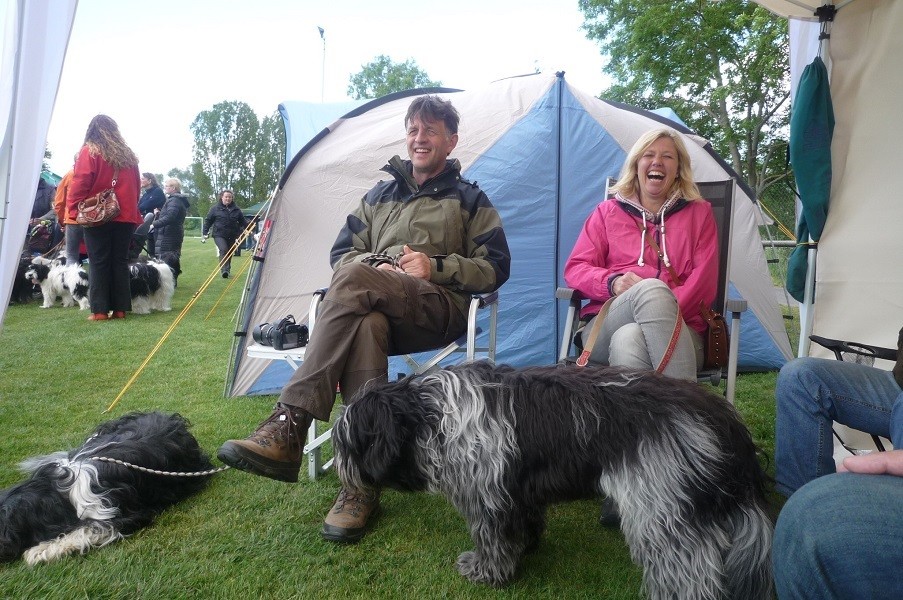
105	157
656	276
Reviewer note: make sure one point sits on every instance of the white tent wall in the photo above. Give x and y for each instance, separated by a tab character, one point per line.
540	149
35	36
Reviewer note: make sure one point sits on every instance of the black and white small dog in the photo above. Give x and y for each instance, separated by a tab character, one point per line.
153	283
59	280
502	444
23	289
74	502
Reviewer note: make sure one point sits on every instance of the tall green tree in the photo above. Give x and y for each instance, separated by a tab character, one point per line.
381	76
225	148
270	158
722	66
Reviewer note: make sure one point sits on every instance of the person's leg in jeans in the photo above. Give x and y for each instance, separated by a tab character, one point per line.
74	234
811	394
839	537
637	331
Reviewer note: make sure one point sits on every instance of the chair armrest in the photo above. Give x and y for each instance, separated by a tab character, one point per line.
484	300
839	346
566	293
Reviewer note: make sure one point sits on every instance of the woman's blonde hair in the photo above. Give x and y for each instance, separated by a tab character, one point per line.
628	183
103	137
176	184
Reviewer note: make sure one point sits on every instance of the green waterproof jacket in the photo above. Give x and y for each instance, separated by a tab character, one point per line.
447	218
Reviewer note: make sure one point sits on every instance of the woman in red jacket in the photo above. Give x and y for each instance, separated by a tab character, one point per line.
106	156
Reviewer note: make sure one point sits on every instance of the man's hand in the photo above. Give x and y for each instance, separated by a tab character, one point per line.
876	463
415	264
625	282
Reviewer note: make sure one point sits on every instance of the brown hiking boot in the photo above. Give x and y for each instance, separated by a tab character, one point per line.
347	521
274	450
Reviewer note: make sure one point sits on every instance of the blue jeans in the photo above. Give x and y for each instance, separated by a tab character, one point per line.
841	536
811	394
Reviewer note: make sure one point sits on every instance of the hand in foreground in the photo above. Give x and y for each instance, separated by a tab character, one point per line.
625	282
415	264
876	463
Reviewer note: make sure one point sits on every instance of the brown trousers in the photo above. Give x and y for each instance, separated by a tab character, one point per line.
367	315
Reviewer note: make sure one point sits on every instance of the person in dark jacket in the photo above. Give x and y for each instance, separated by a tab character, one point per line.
224	222
152	198
405	264
169	224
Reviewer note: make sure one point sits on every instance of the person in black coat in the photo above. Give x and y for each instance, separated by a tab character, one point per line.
152	198
169	224
224	222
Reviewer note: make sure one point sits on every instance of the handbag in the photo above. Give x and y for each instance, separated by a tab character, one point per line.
716	341
100	208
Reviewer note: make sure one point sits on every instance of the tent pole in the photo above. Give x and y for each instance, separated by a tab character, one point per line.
807	308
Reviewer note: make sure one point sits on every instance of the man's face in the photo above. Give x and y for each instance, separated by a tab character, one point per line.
429	144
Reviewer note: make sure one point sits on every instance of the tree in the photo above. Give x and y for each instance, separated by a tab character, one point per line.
722	66
225	147
270	160
381	76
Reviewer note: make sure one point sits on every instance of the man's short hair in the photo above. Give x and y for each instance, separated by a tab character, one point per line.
433	108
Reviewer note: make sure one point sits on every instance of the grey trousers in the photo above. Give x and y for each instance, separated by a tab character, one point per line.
638	328
367	315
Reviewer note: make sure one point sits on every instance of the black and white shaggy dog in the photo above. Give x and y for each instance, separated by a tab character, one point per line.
153	282
502	444
58	280
74	502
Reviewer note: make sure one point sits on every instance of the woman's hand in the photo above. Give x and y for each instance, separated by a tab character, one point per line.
625	282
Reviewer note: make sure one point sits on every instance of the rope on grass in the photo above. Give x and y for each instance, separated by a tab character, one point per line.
156	472
210	279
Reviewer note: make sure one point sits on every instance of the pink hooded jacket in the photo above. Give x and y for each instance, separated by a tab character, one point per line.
609	245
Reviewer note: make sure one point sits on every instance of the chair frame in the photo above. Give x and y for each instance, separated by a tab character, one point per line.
722	195
466	344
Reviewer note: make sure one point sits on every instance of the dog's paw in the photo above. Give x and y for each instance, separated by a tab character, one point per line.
472	567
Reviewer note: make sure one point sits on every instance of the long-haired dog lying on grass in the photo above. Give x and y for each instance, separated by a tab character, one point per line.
502	444
78	500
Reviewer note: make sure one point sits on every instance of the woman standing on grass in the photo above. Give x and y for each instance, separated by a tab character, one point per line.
105	157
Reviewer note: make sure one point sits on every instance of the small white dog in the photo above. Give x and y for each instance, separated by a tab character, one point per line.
58	280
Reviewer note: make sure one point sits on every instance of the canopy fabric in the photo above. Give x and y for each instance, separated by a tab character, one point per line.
35	36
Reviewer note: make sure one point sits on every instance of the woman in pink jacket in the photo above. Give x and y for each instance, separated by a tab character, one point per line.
653	249
105	155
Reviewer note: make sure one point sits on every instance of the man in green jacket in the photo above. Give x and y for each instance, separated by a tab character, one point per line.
406	262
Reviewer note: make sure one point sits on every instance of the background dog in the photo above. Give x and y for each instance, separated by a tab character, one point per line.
74	502
23	289
58	280
502	444
153	282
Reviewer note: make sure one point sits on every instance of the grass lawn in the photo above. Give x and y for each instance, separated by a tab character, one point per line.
249	537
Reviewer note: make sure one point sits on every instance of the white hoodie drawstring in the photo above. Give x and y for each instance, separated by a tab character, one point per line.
664	246
640	262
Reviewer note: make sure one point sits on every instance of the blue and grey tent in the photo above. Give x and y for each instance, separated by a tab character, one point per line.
542	151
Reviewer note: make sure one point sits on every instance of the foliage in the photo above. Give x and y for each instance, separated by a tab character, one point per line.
234	150
381	76
722	66
245	536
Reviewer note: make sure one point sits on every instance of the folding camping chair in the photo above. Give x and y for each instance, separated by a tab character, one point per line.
466	345
720	195
860	353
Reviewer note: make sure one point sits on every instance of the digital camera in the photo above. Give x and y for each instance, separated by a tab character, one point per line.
284	335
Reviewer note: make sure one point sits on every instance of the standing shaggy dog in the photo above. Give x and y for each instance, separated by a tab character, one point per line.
502	444
79	500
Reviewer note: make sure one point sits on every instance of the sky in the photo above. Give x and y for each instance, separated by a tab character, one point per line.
153	65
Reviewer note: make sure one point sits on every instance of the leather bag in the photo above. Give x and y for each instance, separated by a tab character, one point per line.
100	208
716	341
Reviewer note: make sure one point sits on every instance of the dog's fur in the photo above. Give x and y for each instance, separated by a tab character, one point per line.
23	289
153	283
502	444
58	280
73	503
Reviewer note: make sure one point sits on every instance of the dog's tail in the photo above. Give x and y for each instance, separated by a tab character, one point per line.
747	564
